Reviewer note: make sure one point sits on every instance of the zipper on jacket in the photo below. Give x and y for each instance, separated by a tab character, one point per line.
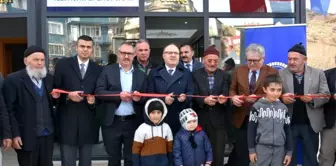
194	149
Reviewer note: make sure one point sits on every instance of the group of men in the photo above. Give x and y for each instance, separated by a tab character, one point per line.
32	116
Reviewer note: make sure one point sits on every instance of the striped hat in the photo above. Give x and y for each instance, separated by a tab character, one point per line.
187	115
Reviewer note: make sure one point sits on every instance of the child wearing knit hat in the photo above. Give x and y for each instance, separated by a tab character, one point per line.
153	140
191	144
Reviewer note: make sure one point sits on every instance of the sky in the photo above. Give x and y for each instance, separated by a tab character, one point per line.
332	6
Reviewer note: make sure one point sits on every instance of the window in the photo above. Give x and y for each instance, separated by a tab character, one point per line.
174	5
13	6
269	6
56	49
224	33
107	33
55	28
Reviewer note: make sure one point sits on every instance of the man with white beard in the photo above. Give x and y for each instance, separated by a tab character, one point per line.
30	109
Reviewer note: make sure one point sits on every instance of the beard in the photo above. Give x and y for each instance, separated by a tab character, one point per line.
36	73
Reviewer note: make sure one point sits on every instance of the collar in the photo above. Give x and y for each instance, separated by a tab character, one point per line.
80	62
170	68
257	72
121	69
191	63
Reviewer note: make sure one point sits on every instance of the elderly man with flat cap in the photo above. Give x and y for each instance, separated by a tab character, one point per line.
30	109
306	111
212	110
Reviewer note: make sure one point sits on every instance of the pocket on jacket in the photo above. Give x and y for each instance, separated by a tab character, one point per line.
258	138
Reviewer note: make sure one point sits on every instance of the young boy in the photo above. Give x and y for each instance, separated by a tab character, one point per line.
191	145
153	140
269	133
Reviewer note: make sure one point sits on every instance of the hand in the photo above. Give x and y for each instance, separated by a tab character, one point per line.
125	96
237	101
287	160
251	98
6	143
169	99
253	158
206	164
210	100
55	95
335	96
222	99
75	97
90	99
17	143
306	98
288	98
136	96
182	97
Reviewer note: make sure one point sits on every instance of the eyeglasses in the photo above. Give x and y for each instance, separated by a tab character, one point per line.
250	61
171	53
126	53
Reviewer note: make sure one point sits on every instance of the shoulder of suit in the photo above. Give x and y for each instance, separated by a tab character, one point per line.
331	71
15	74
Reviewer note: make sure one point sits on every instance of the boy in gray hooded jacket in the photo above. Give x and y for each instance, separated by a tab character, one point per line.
269	133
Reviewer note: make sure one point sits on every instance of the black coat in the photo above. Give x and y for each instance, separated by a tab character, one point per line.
109	83
5	128
20	97
159	81
330	107
76	121
215	115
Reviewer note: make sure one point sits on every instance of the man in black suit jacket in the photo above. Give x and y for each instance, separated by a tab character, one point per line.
328	146
123	113
30	109
76	113
211	81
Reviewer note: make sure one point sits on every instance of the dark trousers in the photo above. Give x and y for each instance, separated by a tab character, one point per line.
121	132
309	141
217	138
69	155
241	155
40	156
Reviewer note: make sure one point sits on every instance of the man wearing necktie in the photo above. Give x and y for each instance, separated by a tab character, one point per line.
30	110
76	113
247	81
187	58
212	111
173	79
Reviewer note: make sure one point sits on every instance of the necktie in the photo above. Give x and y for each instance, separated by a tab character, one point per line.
188	66
170	71
253	81
82	70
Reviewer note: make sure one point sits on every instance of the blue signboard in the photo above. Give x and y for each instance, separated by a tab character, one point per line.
277	40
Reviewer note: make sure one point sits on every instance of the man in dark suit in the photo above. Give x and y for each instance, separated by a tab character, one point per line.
122	114
76	113
188	59
30	109
173	79
211	81
328	146
247	81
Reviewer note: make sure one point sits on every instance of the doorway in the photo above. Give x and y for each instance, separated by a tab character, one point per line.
161	31
13	42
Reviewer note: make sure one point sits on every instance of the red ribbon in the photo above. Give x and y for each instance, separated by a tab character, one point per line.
193	96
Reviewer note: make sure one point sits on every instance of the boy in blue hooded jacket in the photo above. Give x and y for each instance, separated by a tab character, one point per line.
191	145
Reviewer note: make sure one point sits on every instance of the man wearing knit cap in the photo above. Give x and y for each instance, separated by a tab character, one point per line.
306	111
245	86
212	110
30	109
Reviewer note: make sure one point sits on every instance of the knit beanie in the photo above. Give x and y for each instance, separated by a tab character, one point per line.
33	49
230	62
211	50
155	105
187	115
299	48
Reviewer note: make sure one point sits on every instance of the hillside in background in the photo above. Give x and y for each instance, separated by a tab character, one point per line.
321	38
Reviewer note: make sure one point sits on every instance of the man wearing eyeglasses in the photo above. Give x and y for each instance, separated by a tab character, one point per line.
124	113
175	80
245	86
